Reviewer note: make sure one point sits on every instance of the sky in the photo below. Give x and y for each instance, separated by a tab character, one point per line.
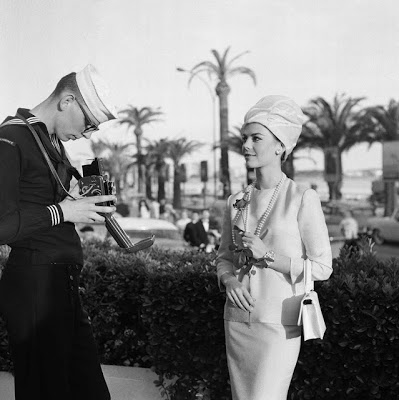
299	48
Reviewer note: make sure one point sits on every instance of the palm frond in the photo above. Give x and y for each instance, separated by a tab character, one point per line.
208	65
224	58
346	110
197	73
219	59
324	107
138	117
236	58
178	148
221	69
242	70
384	121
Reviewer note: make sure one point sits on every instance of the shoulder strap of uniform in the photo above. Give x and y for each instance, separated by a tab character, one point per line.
45	155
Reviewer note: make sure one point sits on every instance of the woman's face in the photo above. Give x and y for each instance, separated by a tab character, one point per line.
259	146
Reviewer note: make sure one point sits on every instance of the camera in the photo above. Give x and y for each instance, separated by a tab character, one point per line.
95	183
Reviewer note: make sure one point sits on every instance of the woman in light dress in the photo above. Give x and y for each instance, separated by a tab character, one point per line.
144	209
269	229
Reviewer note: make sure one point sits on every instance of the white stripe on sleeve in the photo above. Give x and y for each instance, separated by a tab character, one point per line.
55	215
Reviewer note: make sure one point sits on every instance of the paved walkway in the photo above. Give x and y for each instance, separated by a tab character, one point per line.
124	383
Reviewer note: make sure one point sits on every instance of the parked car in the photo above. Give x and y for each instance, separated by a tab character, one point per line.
384	229
334	212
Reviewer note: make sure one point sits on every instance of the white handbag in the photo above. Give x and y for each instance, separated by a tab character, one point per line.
310	315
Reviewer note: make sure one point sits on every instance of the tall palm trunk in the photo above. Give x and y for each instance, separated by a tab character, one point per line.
176	187
390	198
161	181
335	186
139	133
148	183
223	90
117	183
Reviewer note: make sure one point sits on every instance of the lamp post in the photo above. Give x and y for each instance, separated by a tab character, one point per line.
213	97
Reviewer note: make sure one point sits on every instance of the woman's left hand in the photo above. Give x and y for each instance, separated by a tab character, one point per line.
254	243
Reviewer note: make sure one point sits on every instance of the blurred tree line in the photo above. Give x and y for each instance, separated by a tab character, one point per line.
332	127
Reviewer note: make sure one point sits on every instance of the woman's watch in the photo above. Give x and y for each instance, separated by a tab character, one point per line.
268	258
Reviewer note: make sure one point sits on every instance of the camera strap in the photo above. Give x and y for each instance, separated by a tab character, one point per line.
45	155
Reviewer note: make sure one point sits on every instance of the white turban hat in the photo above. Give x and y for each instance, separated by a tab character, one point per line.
95	94
282	116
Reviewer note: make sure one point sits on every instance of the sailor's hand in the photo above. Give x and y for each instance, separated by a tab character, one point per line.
84	209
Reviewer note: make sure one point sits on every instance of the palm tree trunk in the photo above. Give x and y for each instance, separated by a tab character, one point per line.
138	132
117	188
338	186
333	172
222	90
390	198
176	188
148	183
161	182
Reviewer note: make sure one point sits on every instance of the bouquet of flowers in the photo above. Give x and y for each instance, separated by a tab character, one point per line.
245	255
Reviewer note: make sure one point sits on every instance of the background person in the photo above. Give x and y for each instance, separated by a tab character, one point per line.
202	228
51	340
154	208
281	224
169	213
350	230
212	243
182	222
190	233
162	203
349	226
144	209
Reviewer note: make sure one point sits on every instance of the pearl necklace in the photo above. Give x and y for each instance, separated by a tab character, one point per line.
263	218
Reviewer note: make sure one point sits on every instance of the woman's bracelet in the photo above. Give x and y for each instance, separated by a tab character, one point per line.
268	257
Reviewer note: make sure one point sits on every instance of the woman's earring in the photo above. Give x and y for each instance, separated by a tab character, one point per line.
278	152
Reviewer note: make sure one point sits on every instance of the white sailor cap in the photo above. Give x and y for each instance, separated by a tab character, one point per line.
95	94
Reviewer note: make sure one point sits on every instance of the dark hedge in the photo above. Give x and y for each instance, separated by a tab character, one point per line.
162	309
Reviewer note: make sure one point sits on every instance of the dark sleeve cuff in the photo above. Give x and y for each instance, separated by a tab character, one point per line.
57	217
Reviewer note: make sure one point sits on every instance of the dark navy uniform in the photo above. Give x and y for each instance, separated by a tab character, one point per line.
51	339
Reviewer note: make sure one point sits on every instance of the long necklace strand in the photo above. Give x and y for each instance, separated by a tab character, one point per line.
263	218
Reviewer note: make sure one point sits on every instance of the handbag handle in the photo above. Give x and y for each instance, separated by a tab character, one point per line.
307	272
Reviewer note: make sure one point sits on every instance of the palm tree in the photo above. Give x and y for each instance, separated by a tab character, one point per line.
137	118
288	164
149	161
177	149
234	140
333	128
158	150
381	124
234	144
116	160
222	70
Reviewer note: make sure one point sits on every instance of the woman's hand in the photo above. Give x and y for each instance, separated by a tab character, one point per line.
238	294
254	243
